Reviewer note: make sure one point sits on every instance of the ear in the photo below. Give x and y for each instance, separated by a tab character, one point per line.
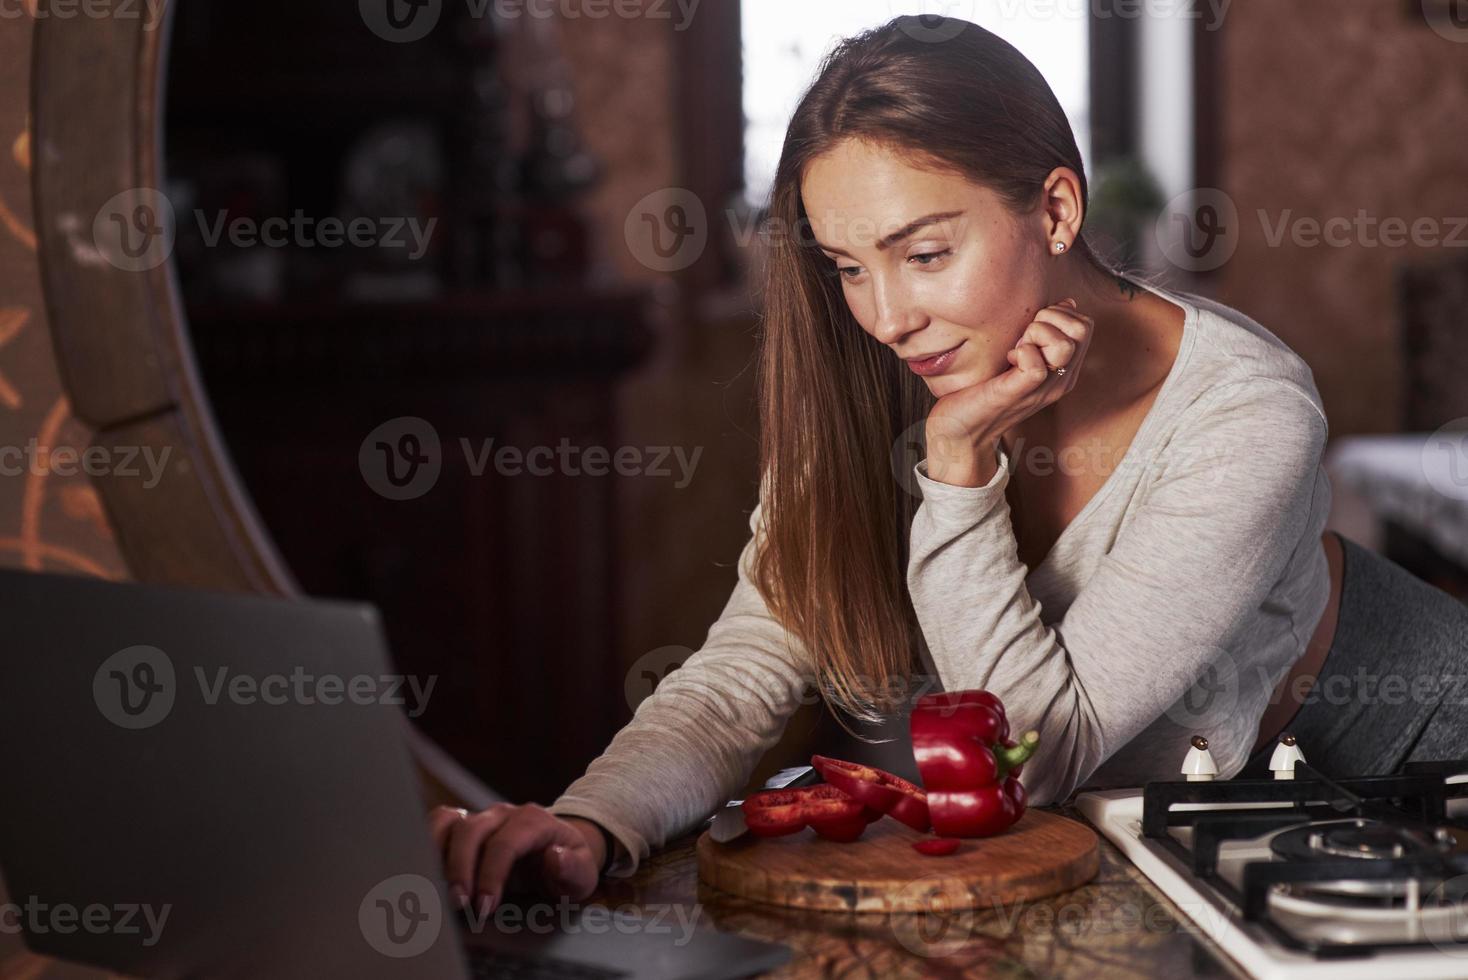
1061	208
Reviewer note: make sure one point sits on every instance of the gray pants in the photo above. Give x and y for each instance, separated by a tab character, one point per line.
1394	686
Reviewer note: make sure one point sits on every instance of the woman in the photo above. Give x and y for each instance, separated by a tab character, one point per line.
1118	527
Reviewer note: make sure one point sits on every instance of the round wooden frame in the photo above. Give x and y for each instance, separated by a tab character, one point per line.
121	338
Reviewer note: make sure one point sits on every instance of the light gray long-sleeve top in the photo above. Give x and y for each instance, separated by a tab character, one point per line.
1172	605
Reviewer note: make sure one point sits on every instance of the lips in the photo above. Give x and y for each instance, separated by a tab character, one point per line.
935	364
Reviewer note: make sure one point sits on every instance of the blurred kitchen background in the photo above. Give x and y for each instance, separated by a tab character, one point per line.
555	160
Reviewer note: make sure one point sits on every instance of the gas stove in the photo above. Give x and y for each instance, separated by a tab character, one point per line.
1308	875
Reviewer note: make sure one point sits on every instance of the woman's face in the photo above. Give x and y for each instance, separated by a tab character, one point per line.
968	278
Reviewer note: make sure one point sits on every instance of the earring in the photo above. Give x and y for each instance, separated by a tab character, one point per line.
1060	246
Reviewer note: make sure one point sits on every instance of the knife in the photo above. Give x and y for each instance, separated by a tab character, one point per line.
728	823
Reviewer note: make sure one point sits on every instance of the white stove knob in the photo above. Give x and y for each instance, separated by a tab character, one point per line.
1286	754
1199	766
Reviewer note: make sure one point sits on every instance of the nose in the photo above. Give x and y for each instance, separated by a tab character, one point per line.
896	315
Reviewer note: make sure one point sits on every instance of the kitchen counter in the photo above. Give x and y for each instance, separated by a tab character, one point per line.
1118	926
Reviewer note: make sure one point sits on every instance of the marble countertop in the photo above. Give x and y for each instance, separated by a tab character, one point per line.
1118	926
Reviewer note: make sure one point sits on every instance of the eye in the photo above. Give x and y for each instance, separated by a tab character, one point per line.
928	258
847	273
852	273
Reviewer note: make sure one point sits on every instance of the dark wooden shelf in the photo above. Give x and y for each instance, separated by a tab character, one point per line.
525	333
504	585
292	97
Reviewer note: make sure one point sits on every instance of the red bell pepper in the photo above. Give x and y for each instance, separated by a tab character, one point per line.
960	740
936	846
876	789
823	807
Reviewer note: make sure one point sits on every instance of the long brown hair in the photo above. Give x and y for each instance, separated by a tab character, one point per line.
839	412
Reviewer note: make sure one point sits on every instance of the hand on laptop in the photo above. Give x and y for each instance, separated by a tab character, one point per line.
516	848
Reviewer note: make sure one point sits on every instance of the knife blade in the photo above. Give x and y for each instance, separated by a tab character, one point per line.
728	823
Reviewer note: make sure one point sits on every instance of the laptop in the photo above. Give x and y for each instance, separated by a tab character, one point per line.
213	785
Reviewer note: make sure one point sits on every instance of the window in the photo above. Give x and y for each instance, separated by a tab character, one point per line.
784	41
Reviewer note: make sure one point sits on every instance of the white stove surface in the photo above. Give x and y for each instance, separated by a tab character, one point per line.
1118	815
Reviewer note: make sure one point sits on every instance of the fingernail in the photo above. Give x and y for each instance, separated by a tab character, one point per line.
460	895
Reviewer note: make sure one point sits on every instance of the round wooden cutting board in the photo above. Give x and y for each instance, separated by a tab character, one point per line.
880	872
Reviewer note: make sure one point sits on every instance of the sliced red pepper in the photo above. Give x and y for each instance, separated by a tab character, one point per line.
823	807
878	789
960	740
936	846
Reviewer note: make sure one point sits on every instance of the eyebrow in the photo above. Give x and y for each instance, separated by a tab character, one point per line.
903	232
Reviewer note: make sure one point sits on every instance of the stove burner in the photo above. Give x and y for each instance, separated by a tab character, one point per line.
1337	868
1363	840
1369	840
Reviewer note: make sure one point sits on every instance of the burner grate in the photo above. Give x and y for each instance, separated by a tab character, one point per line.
1379	853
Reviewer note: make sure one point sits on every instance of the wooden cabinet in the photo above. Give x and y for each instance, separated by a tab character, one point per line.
499	584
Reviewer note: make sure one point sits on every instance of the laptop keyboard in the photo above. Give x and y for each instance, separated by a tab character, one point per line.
495	964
